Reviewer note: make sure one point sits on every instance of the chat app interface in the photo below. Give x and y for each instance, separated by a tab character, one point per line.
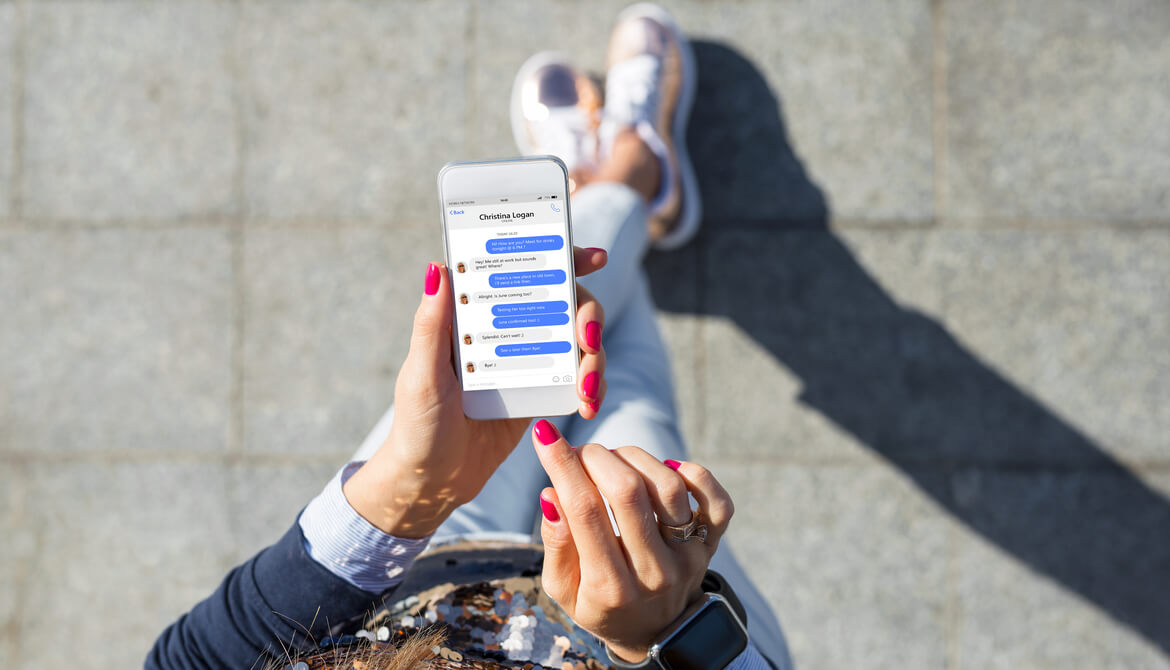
510	274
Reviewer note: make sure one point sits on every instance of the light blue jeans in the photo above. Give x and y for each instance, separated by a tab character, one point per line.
638	409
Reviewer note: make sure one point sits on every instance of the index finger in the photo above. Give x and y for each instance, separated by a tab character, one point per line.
582	504
587	260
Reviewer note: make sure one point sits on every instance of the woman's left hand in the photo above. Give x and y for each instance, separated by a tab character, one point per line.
624	589
435	458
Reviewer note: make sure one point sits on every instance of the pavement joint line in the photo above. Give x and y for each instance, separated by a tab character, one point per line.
119	457
940	106
19	72
471	137
236	409
953	612
710	228
863	460
241	91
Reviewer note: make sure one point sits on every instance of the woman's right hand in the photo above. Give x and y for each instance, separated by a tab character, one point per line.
435	458
624	589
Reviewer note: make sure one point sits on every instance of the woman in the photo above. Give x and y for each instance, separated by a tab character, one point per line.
427	475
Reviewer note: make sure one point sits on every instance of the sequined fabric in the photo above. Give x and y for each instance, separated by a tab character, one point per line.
504	623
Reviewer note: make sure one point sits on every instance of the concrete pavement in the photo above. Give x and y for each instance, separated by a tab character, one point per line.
921	337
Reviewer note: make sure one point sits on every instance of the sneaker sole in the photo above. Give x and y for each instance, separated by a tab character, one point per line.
690	214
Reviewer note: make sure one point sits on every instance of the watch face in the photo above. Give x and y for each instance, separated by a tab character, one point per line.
709	641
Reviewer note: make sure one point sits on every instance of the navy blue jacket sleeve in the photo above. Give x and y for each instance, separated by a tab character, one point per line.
279	597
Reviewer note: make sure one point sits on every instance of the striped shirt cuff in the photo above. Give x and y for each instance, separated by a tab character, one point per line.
345	544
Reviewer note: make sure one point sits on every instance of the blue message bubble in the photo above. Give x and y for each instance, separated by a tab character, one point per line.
518	245
531	278
547	307
528	321
533	349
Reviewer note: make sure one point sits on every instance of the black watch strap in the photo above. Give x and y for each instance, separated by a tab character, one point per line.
713	582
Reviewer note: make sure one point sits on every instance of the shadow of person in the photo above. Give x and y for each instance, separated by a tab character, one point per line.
996	459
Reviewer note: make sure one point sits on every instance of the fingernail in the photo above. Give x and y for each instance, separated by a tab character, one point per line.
673	465
593	335
549	510
590	384
431	286
595	405
546	433
597	249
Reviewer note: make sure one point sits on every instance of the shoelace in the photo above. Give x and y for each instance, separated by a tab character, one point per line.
565	135
631	90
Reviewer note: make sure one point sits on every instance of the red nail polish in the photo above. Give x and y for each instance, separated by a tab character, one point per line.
590	384
672	464
595	405
546	433
593	335
549	510
431	286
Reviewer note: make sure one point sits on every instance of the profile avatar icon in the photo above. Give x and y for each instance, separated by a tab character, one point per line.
462	298
460	267
471	367
467	339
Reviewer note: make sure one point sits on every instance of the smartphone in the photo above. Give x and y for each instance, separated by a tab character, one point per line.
509	249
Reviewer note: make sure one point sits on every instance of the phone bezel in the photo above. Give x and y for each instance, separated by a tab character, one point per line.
496	178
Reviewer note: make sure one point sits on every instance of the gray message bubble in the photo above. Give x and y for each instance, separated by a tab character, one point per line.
509	263
518	335
519	294
518	363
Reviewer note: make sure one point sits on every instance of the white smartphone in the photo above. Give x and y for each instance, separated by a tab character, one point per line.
509	247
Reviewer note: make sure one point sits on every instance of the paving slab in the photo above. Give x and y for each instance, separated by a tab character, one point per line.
853	560
801	348
852	81
352	107
1071	571
1028	348
328	324
267	499
502	41
18	552
1057	111
1075	320
153	540
129	111
8	41
120	340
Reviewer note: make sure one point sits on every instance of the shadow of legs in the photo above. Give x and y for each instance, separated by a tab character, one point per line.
994	457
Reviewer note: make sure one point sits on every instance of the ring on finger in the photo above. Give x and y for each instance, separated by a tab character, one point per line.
695	530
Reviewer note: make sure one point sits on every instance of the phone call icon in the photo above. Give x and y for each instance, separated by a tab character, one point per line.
554	208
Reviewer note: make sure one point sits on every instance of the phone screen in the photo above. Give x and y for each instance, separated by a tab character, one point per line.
511	274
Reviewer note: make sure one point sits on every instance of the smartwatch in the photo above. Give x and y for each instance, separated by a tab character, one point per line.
708	636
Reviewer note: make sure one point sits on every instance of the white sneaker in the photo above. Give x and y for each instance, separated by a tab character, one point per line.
650	87
556	110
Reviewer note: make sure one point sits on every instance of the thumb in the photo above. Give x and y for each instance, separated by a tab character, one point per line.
561	574
430	338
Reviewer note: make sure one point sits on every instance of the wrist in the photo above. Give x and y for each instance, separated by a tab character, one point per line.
394	504
635	650
709	634
626	653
